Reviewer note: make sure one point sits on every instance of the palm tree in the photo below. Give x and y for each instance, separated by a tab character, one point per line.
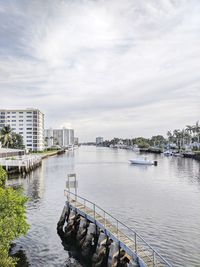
197	130
6	136
189	130
177	136
170	137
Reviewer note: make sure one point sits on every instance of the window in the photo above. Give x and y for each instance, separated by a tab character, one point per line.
20	120
29	144
20	116
13	120
29	136
29	116
21	129
21	133
29	132
21	112
29	124
29	112
21	124
13	112
28	128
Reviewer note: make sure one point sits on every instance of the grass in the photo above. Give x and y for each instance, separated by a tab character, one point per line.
43	153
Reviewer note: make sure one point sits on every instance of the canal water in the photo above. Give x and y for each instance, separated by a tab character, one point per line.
161	202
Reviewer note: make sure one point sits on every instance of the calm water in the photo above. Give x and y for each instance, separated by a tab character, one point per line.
161	202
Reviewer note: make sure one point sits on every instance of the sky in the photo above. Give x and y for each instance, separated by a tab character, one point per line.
111	68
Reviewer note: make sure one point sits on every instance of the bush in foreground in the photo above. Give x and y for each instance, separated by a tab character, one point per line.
13	221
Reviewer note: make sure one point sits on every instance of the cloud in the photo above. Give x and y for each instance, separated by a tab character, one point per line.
104	67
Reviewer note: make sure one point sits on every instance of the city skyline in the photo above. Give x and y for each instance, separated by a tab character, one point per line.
108	68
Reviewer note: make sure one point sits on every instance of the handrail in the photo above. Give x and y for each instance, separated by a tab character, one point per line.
118	223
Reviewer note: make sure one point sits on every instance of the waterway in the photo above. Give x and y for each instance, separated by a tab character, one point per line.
161	202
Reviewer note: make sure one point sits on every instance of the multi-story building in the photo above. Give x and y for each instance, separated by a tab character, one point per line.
99	140
61	137
29	123
76	141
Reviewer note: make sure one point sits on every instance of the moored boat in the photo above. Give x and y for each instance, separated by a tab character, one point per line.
142	161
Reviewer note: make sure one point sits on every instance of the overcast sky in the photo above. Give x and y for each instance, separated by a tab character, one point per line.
114	68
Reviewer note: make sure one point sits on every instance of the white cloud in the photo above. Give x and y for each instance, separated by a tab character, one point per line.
104	67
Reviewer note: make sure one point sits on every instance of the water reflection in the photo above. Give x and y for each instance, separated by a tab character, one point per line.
161	202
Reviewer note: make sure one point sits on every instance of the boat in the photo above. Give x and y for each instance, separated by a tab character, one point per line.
143	161
168	153
176	154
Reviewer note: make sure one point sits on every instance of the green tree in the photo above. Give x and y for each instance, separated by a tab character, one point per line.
6	136
17	141
11	139
157	141
142	142
13	222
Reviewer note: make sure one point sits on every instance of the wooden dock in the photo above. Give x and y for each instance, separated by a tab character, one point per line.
130	241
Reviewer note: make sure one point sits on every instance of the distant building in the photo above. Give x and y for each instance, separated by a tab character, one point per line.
59	137
99	140
76	141
29	123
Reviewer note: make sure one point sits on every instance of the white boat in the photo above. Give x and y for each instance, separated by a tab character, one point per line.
176	154
144	161
168	153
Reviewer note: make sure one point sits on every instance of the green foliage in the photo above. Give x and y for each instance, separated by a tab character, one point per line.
5	259
6	136
142	142
3	177
10	139
17	141
13	222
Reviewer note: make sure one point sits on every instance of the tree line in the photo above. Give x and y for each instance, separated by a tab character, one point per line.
181	138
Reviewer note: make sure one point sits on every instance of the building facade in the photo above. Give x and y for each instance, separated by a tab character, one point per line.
29	123
59	137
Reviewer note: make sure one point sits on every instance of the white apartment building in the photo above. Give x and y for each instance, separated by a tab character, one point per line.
27	122
61	137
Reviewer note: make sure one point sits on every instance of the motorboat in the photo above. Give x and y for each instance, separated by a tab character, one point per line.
143	161
168	153
176	154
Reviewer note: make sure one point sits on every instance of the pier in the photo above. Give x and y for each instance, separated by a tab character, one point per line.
20	164
102	239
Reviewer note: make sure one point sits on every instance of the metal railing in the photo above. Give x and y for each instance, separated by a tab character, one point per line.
135	243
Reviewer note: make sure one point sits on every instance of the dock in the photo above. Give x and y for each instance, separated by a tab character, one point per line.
20	164
128	242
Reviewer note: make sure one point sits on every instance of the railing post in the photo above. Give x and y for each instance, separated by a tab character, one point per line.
117	229
94	210
135	243
154	259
